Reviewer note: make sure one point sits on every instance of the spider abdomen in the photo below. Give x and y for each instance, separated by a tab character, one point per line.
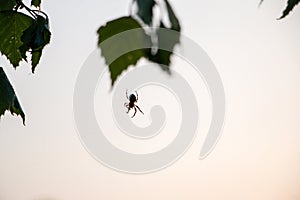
131	104
132	98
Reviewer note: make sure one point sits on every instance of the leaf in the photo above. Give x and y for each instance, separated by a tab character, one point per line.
35	37
35	58
119	45
145	10
175	25
165	41
12	25
36	3
162	58
290	6
7	4
8	98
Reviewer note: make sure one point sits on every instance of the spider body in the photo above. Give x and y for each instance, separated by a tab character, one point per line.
132	98
131	104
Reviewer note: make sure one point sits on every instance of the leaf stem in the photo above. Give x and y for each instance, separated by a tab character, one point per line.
22	5
39	11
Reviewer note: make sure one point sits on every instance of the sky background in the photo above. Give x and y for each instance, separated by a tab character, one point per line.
257	157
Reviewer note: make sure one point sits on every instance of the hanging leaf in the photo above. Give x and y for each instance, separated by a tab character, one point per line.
8	98
172	17
36	3
166	40
12	25
145	10
140	42
35	37
290	6
35	58
132	41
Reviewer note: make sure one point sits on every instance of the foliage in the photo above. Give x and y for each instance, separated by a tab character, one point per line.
9	100
291	4
145	11
24	33
116	66
20	34
35	37
12	24
163	57
144	17
36	3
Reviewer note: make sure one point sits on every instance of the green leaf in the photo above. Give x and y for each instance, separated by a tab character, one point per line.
35	58
113	47
165	41
7	4
145	10
290	6
162	58
36	3
35	37
12	25
8	98
175	25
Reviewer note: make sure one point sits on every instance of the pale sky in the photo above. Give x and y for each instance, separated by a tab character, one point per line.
257	157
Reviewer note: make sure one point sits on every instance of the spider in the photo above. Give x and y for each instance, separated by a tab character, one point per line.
132	100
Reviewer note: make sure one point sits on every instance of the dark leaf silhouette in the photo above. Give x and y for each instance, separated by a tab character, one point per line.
35	58
9	100
12	25
19	34
290	6
172	17
145	10
165	40
111	48
35	37
36	3
140	42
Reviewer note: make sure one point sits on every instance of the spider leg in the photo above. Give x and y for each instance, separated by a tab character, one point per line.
137	96
127	94
139	109
134	112
128	109
127	106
